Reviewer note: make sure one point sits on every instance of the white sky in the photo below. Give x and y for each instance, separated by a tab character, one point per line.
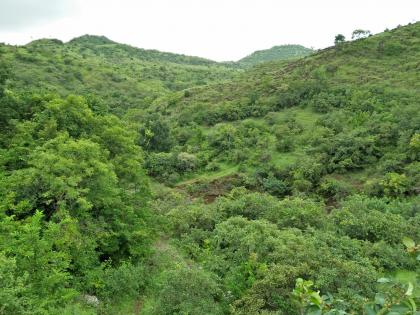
215	29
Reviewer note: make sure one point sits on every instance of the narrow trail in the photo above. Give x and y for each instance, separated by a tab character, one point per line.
166	257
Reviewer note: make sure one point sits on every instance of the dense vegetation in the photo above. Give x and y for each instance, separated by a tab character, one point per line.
291	187
121	75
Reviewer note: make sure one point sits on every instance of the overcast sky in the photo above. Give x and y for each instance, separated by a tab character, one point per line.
215	29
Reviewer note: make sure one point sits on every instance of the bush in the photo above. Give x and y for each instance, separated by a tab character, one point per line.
297	213
186	162
395	185
188	290
222	138
158	164
184	219
241	202
325	102
349	151
275	186
361	218
125	281
332	188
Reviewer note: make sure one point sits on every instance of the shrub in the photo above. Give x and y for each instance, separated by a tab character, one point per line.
361	218
395	185
332	188
188	290
125	281
186	162
297	213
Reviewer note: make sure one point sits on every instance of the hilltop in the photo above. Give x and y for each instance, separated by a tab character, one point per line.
276	53
111	49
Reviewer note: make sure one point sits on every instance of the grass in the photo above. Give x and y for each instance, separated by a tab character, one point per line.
225	170
284	159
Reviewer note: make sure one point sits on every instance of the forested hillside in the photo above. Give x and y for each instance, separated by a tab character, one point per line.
164	184
121	75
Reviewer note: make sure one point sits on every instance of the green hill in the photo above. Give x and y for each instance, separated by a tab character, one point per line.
104	46
122	75
283	52
339	128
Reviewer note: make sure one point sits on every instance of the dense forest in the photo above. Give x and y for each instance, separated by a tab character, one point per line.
135	181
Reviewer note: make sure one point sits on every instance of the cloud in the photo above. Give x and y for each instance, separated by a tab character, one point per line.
23	14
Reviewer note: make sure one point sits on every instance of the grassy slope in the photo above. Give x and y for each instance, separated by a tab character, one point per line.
390	59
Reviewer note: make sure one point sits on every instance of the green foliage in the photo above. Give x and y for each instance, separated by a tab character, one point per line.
186	290
27	248
4	75
155	134
339	38
310	301
395	184
395	296
127	276
298	213
124	76
73	195
358	34
299	169
358	219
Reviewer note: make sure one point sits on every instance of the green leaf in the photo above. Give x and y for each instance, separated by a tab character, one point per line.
408	242
384	280
316	299
380	299
314	310
399	309
410	289
413	304
369	309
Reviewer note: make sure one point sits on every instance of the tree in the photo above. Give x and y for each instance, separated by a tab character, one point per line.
339	38
4	74
72	195
155	134
358	34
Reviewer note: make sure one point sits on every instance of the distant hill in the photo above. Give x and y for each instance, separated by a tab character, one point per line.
122	75
283	52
